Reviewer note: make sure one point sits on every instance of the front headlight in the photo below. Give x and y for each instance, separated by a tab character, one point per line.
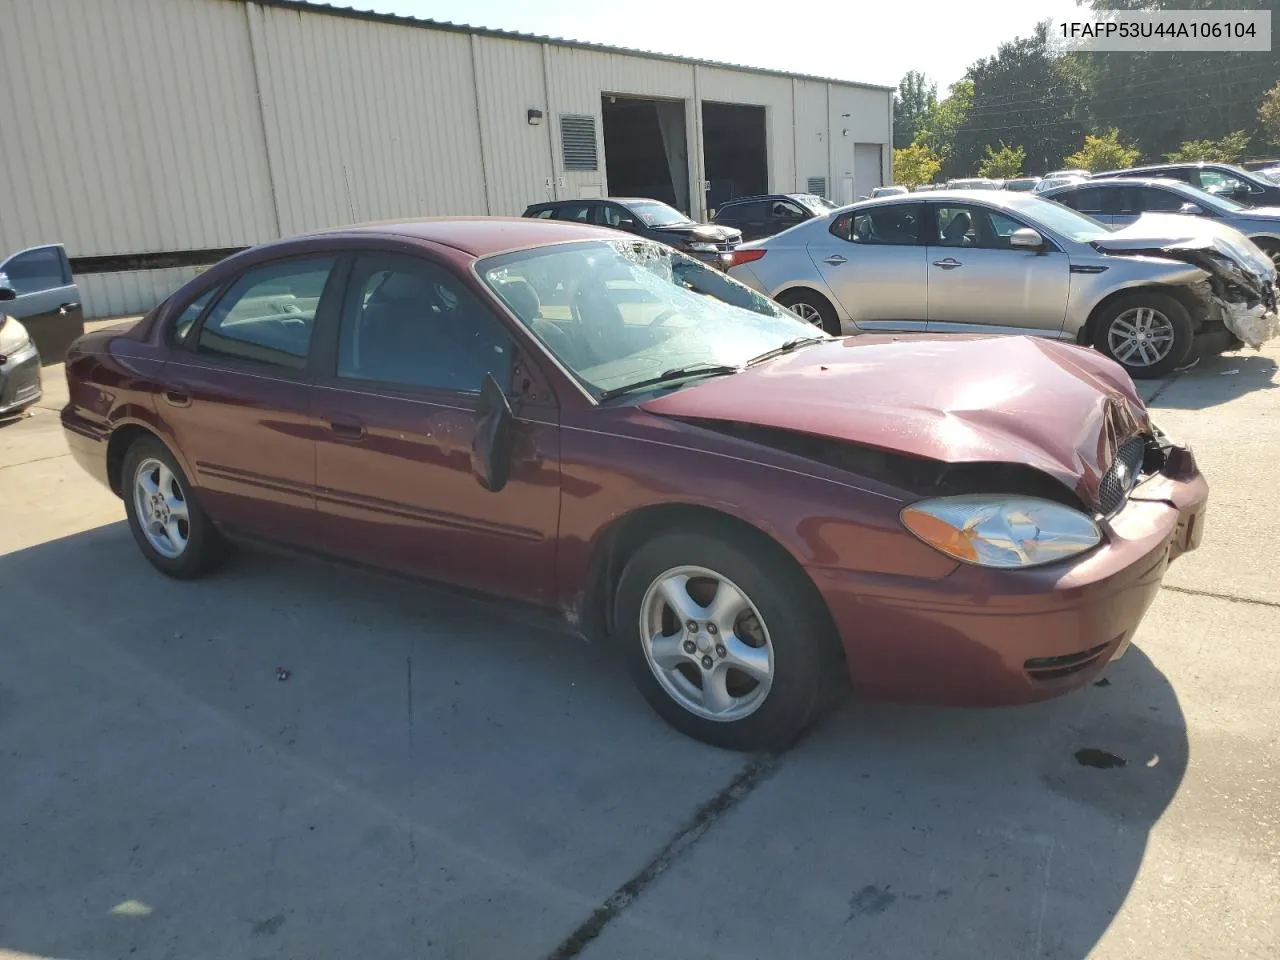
996	531
703	247
13	335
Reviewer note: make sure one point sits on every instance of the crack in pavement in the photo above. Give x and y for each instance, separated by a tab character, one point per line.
1229	597
733	793
23	463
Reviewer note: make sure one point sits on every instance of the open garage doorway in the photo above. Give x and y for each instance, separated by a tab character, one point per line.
646	151
735	157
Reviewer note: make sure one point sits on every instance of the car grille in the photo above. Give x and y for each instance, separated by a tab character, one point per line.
1121	475
727	246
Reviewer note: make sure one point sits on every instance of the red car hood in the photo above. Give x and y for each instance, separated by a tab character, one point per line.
1059	408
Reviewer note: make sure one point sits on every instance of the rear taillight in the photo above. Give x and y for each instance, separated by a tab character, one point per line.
739	257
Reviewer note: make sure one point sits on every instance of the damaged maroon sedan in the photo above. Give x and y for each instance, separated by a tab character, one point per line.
753	513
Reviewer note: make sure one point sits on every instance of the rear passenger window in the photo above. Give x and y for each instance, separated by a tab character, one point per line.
896	224
268	315
186	319
544	214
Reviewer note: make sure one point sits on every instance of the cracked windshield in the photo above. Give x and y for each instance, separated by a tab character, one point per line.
622	312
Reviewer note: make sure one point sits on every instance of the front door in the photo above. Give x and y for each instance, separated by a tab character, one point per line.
398	403
978	283
873	262
48	302
237	400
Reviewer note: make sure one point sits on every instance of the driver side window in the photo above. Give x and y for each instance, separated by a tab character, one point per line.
268	314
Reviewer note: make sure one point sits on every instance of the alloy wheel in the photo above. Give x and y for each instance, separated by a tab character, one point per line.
807	312
706	643
1140	337
161	508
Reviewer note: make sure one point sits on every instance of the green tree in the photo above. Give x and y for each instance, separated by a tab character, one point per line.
1269	114
1002	164
1104	152
938	128
914	164
1228	149
1161	99
1021	95
916	96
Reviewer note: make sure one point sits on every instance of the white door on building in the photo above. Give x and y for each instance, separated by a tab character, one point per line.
867	173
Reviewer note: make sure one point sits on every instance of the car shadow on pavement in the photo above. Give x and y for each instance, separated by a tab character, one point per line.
297	758
1218	380
897	831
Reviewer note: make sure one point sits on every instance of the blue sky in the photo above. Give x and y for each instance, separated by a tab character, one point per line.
845	39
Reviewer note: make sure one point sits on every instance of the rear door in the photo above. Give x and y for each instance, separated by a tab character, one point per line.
408	353
237	396
873	261
48	302
978	283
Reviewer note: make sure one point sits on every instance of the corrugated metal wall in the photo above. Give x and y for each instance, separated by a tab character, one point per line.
130	126
183	125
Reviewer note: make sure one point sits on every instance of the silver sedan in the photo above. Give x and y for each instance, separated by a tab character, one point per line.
1119	201
999	262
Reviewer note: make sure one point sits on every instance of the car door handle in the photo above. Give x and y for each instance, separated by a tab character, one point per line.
66	308
950	263
177	395
835	260
346	429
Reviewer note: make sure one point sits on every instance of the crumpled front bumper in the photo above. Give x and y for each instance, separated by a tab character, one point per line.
983	637
20	380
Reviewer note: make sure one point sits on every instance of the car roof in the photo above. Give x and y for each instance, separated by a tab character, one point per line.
1131	181
477	236
996	198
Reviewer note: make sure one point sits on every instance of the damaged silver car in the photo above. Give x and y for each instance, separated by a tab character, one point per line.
1153	296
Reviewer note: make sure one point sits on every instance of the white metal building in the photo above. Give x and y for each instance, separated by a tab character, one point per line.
166	133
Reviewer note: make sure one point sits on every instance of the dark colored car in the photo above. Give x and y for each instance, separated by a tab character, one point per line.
750	511
19	362
764	216
650	219
1222	179
46	298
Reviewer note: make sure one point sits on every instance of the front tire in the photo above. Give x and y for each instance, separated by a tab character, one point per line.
728	643
813	308
165	517
1147	332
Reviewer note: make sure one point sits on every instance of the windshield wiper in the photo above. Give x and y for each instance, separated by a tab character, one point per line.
787	347
700	369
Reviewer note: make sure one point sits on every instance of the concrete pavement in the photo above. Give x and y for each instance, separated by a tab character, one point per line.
441	778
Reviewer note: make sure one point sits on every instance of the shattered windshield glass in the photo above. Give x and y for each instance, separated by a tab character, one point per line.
618	312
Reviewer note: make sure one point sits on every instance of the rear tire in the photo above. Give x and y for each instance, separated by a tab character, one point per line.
1147	332
812	307
762	660
165	517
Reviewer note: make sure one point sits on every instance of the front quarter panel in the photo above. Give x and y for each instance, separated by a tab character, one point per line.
617	460
1089	289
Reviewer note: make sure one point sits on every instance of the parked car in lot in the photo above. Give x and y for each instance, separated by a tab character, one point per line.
1021	184
1121	200
651	219
19	361
1221	179
893	190
974	183
999	262
1069	172
750	512
46	299
1049	181
763	216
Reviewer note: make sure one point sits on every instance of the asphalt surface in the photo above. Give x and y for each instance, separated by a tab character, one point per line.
438	777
